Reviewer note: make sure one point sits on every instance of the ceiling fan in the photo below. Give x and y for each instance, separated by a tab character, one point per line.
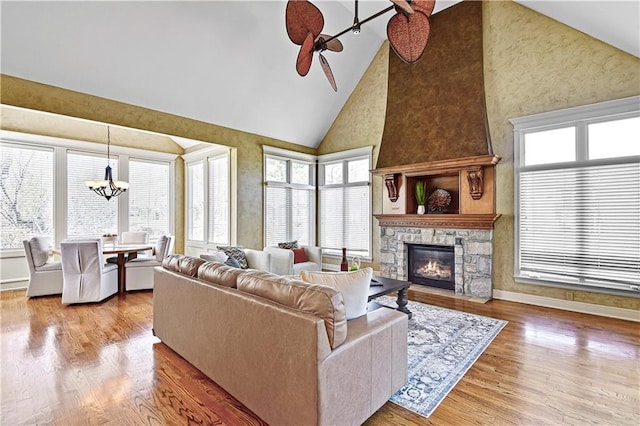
407	31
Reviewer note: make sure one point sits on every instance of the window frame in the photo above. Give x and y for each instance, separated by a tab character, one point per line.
61	147
202	156
345	157
290	157
580	118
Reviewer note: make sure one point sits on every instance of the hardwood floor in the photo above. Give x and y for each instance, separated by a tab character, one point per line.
100	364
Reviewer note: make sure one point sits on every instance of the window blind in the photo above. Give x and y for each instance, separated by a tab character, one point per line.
345	219
582	225
195	202
87	212
149	197
26	195
219	200
288	215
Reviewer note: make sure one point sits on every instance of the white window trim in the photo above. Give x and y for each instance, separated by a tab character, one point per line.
579	117
203	156
288	156
336	157
61	146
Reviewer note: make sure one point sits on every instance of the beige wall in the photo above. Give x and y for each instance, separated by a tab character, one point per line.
40	97
532	64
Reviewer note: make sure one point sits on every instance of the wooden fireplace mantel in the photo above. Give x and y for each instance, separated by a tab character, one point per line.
470	181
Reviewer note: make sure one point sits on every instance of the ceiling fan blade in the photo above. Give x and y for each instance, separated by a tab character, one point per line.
334	45
408	35
302	17
305	56
327	71
424	6
402	4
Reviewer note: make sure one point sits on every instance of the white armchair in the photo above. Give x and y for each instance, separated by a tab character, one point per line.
45	276
139	271
282	260
86	276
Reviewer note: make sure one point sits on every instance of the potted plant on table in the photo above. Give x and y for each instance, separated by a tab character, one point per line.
421	195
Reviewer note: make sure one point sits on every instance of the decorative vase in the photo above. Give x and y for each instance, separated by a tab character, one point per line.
421	209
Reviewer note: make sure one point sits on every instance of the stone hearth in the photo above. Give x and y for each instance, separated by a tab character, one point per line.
473	255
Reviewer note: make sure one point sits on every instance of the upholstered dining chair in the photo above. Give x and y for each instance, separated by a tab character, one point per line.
139	271
135	237
45	276
86	276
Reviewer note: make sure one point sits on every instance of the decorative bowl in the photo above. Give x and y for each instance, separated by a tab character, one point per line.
439	201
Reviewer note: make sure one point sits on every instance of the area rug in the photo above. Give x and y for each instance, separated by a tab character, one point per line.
443	345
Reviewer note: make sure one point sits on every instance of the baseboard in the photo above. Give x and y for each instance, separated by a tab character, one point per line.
14	284
569	305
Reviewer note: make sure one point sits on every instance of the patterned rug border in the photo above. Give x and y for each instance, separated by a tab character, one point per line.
429	402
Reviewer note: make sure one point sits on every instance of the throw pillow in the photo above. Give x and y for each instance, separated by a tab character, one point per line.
161	247
237	253
39	251
216	256
231	261
354	287
299	255
288	245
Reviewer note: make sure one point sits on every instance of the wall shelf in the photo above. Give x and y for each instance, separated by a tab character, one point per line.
470	181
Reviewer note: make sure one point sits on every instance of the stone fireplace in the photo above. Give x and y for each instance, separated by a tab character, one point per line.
473	250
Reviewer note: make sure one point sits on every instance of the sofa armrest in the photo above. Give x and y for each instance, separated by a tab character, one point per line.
314	254
281	260
258	259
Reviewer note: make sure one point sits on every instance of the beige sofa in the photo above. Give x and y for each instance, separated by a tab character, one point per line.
281	347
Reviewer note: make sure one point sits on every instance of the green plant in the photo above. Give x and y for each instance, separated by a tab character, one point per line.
421	192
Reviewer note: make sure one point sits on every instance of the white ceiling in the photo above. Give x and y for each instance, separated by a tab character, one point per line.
229	63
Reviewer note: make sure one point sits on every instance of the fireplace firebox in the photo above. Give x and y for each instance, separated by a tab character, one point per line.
432	265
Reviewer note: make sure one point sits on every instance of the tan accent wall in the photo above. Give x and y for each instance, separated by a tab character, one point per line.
40	97
534	64
531	64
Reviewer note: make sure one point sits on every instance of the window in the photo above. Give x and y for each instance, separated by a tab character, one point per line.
208	199
88	213
345	202
26	194
578	197
289	197
43	192
149	203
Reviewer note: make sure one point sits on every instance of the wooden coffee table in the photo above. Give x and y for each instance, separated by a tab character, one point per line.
381	286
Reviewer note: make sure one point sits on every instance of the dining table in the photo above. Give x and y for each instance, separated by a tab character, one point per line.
125	253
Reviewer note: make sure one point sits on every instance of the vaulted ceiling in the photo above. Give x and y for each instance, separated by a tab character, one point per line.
228	63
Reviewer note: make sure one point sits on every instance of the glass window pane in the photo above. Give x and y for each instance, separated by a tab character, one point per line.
149	205
333	174
26	197
219	200
619	138
358	170
195	202
87	212
550	146
276	170
300	173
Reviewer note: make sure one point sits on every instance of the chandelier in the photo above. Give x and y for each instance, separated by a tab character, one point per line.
407	31
107	188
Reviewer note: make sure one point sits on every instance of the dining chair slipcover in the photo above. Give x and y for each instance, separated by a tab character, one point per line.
45	277
86	277
139	271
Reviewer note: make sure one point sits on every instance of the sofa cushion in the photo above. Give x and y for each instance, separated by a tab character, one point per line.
189	265
219	273
354	287
39	251
299	255
288	245
321	301
172	262
237	253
